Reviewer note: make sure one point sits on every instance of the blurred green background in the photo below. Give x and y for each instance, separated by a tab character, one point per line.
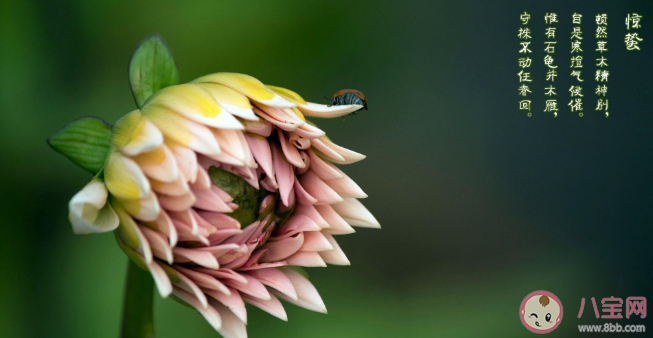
479	204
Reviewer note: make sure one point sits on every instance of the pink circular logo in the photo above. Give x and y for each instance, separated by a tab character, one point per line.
541	312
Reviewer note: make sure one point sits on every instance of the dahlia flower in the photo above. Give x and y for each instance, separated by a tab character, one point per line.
220	188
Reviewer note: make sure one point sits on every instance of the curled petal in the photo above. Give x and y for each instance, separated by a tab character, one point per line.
90	212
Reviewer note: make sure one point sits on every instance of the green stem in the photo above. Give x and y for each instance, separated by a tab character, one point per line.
137	314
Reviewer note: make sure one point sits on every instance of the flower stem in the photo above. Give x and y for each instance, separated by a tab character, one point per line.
137	314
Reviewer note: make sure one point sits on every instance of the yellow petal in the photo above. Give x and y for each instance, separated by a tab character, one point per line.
133	134
195	103
287	94
250	86
124	178
188	133
231	100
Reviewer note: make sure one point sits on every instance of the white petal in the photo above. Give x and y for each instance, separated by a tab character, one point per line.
90	212
322	110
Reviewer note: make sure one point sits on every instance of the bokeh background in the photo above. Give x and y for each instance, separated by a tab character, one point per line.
480	205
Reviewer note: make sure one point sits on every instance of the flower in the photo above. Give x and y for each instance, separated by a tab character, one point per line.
219	188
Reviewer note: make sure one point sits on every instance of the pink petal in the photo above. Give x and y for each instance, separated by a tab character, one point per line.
178	187
260	127
354	213
159	244
307	295
177	203
222	234
291	153
233	301
318	189
323	169
299	141
307	259
185	158
203	280
302	196
164	225
203	181
232	327
311	212
349	156
272	306
278	250
284	175
203	258
261	151
338	226
295	224
223	274
315	241
219	220
276	279
326	151
188	285
253	287
209	313
158	164
335	256
210	201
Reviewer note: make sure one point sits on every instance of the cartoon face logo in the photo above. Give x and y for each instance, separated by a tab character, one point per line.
541	312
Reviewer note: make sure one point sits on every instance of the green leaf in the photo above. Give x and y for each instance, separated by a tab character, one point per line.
151	68
85	141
